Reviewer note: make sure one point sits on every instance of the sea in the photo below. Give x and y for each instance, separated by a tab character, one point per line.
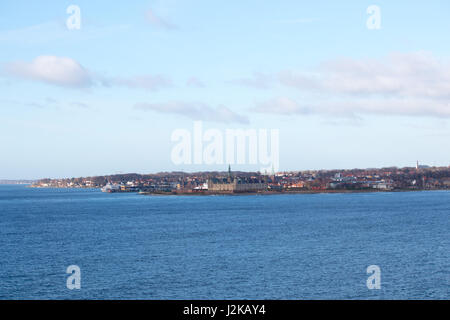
285	246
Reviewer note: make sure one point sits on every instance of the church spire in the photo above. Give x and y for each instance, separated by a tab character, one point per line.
230	177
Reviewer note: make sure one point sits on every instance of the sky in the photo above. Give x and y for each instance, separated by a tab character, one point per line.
102	91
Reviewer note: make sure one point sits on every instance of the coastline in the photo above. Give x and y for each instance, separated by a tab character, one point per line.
282	192
212	193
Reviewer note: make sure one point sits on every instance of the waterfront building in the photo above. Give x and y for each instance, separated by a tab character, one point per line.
232	184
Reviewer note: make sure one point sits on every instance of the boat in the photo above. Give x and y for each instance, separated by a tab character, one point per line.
111	188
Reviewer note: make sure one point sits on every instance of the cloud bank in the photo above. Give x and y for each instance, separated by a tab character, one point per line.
401	84
409	75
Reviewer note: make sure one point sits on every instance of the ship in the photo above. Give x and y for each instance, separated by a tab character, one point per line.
111	188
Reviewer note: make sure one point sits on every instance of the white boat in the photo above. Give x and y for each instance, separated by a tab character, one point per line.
110	188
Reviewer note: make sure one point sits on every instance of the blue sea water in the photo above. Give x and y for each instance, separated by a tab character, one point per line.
304	246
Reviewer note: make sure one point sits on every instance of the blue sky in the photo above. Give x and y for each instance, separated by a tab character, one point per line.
105	98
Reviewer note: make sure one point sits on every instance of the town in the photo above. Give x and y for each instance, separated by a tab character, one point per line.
352	180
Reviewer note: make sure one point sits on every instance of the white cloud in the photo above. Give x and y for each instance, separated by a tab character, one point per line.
60	71
67	72
399	84
195	111
416	74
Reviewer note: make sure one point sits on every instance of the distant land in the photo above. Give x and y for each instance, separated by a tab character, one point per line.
17	181
349	180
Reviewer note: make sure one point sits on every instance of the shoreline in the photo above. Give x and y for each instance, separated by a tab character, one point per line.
279	192
206	193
